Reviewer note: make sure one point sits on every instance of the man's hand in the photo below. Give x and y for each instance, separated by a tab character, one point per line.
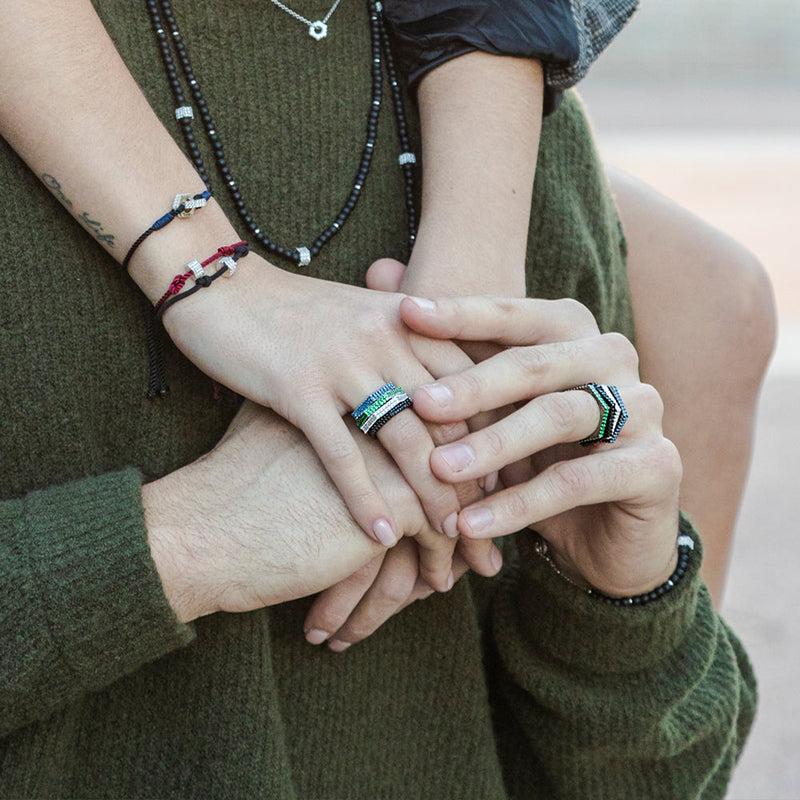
610	510
258	521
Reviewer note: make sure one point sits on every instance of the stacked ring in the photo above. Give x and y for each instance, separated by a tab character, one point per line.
612	412
377	409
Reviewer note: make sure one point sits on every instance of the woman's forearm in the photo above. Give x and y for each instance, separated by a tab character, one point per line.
481	118
71	109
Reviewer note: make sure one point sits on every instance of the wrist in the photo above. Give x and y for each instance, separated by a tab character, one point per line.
634	594
171	550
165	253
451	260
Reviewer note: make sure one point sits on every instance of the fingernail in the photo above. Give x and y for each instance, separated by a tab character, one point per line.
384	533
316	636
496	557
457	456
451	579
441	395
491	482
450	525
338	646
423	304
477	518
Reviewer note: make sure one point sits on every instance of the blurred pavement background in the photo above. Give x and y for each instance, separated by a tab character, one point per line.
702	101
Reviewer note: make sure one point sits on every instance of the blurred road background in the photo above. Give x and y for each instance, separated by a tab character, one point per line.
702	100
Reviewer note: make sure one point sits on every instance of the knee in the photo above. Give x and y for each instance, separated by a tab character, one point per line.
750	313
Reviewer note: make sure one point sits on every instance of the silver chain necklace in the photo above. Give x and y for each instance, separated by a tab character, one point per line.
318	29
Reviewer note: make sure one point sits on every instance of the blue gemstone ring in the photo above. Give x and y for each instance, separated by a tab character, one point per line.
377	409
612	412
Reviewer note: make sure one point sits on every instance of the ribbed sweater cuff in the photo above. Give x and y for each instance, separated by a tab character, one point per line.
587	633
97	588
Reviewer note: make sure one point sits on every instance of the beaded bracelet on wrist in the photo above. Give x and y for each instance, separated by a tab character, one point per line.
685	548
183	206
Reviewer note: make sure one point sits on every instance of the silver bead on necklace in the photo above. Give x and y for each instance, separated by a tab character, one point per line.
317	29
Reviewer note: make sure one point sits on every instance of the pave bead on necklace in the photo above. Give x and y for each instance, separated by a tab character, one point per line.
317	29
170	41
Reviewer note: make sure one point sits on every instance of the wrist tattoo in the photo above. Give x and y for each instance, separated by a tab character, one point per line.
95	227
55	187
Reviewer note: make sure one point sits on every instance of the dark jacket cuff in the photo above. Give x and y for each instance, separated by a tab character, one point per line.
428	34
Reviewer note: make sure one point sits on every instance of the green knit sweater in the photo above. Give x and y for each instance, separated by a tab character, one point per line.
519	686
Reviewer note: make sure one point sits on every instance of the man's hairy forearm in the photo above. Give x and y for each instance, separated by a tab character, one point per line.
481	118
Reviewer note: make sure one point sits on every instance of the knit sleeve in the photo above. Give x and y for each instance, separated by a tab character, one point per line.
565	35
594	700
82	602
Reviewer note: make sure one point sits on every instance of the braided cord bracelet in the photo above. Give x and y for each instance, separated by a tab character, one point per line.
685	548
229	255
184	205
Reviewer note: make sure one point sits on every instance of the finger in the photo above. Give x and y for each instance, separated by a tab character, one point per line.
435	555
485	559
406	438
442	361
331	608
636	475
388	593
341	457
523	372
435	549
385	275
543	422
508	321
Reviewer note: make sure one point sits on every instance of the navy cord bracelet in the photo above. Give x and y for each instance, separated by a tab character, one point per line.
183	206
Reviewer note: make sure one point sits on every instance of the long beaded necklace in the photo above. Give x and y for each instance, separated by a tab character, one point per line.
317	29
381	53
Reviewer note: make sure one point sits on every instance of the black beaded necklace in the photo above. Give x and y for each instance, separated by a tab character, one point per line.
381	53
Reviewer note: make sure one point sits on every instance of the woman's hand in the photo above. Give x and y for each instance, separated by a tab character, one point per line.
609	511
312	350
357	606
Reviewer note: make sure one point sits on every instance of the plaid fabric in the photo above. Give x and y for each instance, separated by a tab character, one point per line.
597	23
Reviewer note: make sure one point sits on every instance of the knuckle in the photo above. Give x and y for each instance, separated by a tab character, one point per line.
493	440
469	385
445	433
569	478
375	323
667	461
342	453
622	349
531	361
358	630
649	403
559	408
517	506
577	313
394	592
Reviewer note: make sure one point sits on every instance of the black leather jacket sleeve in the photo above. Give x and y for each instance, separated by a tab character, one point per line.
566	35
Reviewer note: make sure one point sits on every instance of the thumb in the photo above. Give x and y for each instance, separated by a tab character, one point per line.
385	275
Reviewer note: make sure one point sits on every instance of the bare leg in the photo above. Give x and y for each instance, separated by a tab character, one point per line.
705	327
